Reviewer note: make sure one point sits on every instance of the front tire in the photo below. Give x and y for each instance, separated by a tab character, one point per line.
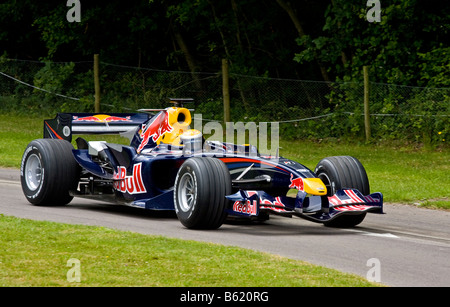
48	172
343	172
199	193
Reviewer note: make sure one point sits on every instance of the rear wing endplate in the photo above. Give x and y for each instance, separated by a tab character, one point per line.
64	125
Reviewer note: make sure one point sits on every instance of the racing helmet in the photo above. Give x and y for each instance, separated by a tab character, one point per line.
192	140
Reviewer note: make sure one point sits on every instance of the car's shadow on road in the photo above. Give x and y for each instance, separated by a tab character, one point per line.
125	211
274	226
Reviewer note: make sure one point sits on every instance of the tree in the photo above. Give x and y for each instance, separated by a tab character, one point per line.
397	49
294	18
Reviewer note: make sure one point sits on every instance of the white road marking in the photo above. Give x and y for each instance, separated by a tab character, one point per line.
373	234
9	182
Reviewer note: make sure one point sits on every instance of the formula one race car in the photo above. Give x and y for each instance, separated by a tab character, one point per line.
169	166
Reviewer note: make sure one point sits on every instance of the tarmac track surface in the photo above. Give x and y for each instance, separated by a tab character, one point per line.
409	245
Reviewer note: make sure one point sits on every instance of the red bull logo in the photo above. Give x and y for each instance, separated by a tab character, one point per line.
101	118
296	183
247	207
153	131
250	207
129	184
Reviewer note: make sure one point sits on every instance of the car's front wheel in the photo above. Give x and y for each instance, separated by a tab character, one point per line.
199	193
48	172
343	172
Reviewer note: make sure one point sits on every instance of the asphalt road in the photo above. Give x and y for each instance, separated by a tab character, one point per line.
407	246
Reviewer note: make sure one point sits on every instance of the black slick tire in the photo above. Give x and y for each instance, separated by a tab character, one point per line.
48	172
200	188
343	172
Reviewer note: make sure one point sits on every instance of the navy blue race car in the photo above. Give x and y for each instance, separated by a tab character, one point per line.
169	166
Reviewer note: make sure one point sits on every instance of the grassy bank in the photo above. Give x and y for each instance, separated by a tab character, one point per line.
34	253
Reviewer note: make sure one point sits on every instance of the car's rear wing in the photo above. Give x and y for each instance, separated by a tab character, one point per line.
66	124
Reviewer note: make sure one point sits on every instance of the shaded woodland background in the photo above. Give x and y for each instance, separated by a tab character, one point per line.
151	50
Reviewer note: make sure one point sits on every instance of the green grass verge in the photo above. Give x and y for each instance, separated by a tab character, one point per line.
15	133
35	253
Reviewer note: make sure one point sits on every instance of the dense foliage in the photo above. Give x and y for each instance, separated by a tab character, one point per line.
329	39
295	40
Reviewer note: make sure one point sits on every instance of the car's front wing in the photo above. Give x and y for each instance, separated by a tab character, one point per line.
320	209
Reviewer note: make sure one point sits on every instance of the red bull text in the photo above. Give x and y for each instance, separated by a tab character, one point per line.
246	207
129	184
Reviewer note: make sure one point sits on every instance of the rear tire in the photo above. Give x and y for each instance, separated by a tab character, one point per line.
199	193
343	172
48	172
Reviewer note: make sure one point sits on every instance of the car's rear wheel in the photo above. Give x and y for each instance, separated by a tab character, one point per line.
343	172
199	193
48	172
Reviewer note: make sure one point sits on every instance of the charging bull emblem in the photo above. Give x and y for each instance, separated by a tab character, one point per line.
296	183
101	118
154	130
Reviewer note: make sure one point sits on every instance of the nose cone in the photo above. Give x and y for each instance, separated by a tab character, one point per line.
314	186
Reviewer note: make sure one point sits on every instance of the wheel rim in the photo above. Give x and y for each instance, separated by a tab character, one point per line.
328	183
33	172
187	192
